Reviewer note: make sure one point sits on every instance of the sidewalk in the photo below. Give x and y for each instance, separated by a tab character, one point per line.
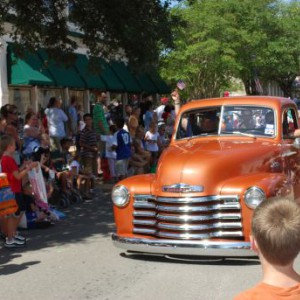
105	186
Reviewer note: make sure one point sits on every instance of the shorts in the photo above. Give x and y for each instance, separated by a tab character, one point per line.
89	165
21	203
122	167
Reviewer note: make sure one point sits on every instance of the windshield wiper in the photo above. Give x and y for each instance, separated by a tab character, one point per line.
239	132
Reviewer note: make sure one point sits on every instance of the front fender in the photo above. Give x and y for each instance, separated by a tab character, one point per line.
274	185
140	184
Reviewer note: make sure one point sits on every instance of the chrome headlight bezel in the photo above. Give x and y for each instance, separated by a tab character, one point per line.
253	196
120	196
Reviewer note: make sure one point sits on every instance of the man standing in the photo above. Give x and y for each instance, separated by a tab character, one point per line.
88	142
100	124
160	109
73	117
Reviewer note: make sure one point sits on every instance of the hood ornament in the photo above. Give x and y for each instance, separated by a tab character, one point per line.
182	188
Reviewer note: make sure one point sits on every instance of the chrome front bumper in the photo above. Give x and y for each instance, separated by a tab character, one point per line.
184	247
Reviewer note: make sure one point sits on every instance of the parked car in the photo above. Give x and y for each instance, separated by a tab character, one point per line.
226	156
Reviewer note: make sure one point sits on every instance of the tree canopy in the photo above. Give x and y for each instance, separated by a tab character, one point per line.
226	39
137	28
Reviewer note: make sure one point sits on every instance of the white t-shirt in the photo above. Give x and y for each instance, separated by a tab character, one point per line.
160	110
56	118
109	141
153	147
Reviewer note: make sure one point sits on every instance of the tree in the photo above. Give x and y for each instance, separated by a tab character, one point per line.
225	39
137	29
199	57
280	58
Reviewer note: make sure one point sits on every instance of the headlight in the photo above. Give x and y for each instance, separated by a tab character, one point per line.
120	195
254	196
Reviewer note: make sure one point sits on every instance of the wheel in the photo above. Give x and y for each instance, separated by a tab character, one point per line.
63	203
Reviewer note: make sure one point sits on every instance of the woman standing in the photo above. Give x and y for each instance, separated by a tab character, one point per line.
9	126
133	122
55	120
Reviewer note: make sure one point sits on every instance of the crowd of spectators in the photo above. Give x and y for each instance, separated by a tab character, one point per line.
73	149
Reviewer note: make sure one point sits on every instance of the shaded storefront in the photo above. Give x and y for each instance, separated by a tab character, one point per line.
34	78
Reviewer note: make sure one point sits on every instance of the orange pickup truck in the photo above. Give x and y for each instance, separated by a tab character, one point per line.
226	156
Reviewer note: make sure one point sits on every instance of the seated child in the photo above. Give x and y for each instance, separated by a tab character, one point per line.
137	163
276	239
139	145
80	180
41	209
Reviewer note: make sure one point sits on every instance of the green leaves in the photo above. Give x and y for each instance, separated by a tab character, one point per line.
136	28
225	39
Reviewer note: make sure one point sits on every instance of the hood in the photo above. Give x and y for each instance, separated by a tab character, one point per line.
209	163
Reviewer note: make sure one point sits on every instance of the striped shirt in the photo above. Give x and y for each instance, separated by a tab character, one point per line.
88	137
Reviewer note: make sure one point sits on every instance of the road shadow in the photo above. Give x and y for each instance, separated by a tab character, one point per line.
195	260
83	220
15	268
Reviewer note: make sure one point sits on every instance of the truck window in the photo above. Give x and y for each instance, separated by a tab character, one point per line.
289	122
199	122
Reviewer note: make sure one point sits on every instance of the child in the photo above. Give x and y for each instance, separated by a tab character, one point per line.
14	176
163	141
137	164
79	180
122	145
139	145
110	154
151	138
276	239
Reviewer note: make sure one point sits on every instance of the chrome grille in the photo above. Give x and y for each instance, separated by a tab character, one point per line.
188	218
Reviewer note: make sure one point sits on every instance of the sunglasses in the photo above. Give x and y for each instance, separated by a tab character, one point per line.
12	113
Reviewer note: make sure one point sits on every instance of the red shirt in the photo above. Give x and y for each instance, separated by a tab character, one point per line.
8	166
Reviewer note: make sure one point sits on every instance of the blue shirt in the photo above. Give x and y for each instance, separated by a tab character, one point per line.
123	142
74	118
147	118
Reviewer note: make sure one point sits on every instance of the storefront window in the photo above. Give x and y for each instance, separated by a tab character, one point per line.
21	98
45	94
79	95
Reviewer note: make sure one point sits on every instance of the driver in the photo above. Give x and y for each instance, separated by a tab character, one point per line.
210	123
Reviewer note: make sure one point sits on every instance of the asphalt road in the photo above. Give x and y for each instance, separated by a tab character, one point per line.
75	259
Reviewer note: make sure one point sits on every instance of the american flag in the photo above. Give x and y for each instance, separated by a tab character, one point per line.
181	85
258	86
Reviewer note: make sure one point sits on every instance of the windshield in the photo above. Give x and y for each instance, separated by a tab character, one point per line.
227	120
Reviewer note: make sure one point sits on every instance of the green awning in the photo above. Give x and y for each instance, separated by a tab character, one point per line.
108	76
162	87
28	70
146	83
92	80
125	77
64	76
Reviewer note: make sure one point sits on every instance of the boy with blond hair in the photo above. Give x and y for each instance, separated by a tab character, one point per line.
276	239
